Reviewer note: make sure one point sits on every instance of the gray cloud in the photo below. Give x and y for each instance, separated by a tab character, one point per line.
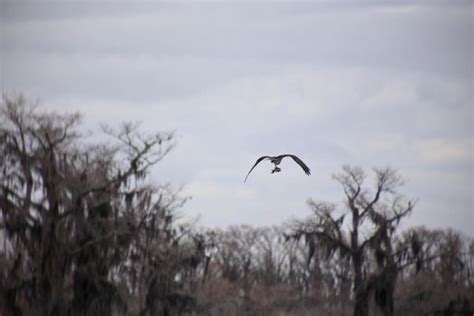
372	85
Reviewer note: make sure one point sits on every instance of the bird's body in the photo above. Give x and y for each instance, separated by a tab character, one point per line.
276	160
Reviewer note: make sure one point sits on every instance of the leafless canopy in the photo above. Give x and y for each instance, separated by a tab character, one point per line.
78	222
366	226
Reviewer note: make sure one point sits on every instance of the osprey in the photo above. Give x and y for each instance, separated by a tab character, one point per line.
276	161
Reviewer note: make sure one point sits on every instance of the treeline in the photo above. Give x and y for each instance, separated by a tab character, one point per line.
257	271
84	232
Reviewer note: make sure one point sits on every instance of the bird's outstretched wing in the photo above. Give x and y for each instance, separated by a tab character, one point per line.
299	162
256	163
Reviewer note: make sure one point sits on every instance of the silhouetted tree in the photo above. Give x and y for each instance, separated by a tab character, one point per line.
441	280
74	215
365	230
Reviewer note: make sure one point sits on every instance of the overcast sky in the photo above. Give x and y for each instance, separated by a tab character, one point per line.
370	84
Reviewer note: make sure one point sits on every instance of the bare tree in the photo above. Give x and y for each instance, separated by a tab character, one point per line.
73	213
364	230
441	280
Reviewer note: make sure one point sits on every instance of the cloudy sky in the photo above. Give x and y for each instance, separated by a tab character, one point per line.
336	82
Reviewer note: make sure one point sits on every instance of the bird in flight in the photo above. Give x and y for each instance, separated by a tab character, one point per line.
276	161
